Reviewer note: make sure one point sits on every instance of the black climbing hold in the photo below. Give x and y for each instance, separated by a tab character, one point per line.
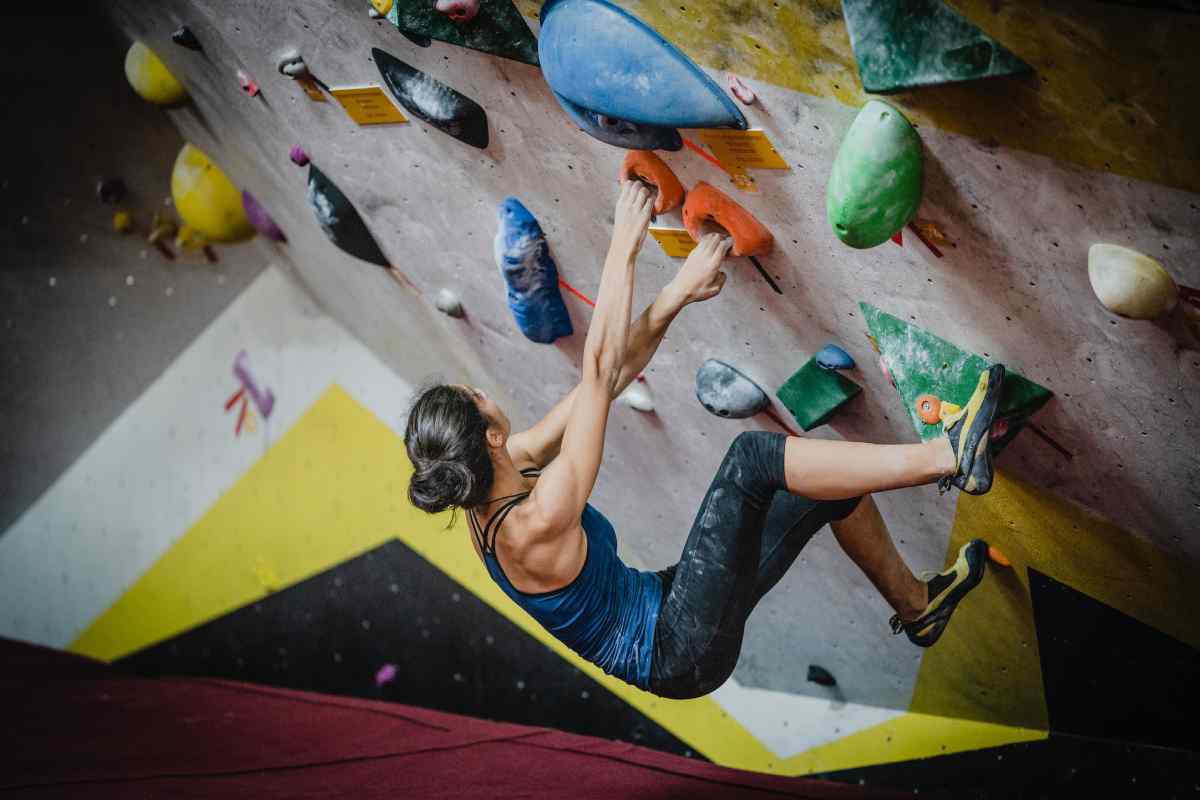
184	37
820	675
433	101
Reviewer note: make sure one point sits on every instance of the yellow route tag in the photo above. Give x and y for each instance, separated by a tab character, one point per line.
675	242
311	89
741	150
368	105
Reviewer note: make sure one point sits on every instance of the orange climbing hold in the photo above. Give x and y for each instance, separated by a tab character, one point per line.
645	165
704	202
929	409
998	557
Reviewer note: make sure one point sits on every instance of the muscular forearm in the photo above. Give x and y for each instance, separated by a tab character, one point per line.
646	334
607	342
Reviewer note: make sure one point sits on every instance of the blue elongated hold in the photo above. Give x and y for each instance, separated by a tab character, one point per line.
724	391
530	273
833	357
608	61
339	219
619	132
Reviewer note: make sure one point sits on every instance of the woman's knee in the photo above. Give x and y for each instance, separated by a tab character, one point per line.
754	462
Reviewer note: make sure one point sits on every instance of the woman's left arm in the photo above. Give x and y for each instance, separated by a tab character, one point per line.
698	280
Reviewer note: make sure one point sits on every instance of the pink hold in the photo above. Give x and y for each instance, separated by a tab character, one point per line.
247	84
386	674
999	428
459	11
887	372
740	90
298	156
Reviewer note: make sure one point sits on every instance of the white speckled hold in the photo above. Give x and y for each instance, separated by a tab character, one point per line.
637	396
448	302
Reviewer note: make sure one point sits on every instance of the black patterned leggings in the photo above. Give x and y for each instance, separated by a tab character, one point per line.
747	533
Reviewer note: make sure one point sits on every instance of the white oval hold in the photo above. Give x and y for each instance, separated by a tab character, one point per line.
1130	284
448	303
637	396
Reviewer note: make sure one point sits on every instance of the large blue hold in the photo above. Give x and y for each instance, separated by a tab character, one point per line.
620	132
531	274
608	61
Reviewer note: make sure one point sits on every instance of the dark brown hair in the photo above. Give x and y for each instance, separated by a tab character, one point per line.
447	444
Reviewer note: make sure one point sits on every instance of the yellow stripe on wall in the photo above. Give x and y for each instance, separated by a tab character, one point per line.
334	487
1105	93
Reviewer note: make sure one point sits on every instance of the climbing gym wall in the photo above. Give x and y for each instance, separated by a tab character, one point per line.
915	191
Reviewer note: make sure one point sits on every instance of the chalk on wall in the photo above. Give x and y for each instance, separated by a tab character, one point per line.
150	78
904	44
875	184
432	101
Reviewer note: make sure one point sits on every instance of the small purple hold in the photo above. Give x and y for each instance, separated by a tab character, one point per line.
298	156
260	219
386	674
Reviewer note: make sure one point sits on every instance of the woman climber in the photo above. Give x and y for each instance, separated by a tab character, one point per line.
678	632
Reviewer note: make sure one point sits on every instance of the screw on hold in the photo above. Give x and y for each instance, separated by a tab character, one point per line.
184	37
292	64
249	86
460	11
929	409
298	156
821	675
740	90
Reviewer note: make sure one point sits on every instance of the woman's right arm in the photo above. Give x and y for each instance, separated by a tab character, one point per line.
562	490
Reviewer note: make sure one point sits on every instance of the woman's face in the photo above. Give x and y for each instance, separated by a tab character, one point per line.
488	408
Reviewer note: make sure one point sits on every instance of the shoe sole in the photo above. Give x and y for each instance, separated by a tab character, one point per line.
974	435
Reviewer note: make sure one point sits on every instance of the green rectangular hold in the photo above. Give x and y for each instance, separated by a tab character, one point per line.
922	363
813	394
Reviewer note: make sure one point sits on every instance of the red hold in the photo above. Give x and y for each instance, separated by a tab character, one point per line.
460	11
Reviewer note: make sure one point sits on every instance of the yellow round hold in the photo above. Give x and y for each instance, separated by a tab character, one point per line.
383	6
206	200
150	78
1129	283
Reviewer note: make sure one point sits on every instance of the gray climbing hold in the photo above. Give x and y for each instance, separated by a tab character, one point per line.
292	64
637	396
833	357
724	391
449	303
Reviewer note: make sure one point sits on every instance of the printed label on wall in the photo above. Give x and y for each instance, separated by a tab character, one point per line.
676	242
739	150
368	105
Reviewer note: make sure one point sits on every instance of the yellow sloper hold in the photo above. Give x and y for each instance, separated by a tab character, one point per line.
332	488
150	78
207	200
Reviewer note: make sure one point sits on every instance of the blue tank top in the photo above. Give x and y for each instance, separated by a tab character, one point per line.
607	614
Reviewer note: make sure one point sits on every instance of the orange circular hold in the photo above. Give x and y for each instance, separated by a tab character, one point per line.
998	557
929	409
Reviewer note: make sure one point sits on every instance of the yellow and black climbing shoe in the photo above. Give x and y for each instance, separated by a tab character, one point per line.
945	590
969	432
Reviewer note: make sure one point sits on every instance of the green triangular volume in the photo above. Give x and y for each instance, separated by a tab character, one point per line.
922	363
498	28
903	44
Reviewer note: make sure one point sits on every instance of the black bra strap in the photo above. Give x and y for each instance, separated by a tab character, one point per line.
487	536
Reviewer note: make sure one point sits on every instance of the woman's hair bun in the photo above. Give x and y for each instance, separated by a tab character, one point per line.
446	440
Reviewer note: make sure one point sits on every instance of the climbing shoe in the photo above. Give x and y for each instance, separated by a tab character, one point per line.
969	432
945	590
